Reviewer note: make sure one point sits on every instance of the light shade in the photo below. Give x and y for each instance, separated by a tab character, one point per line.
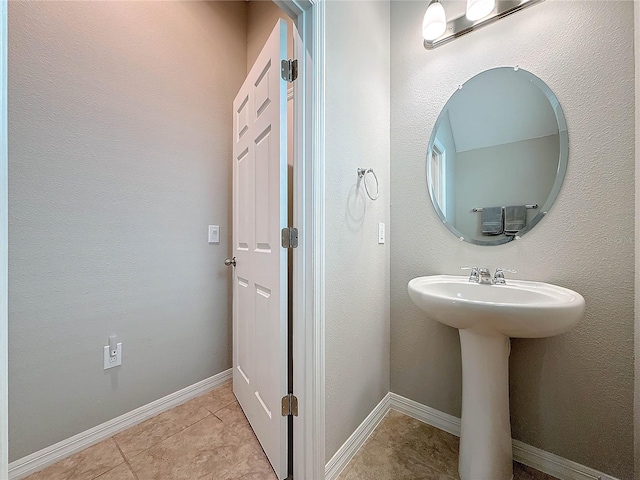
477	9
435	21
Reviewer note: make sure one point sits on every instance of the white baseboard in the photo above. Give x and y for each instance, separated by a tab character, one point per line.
541	460
50	455
425	414
554	465
348	450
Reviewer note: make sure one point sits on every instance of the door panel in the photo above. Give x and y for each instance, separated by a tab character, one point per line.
260	275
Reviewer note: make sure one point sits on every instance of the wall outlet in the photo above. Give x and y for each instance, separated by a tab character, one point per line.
115	361
381	233
214	234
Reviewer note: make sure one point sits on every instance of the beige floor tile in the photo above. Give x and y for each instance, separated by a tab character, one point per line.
260	470
208	449
189	443
151	432
121	472
412	438
85	465
216	399
523	472
379	461
233	416
265	475
402	447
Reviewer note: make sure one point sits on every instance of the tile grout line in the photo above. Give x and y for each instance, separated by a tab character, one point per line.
97	477
221	408
176	433
125	457
167	438
135	475
210	412
245	417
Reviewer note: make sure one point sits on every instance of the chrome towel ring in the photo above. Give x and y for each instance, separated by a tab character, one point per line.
362	173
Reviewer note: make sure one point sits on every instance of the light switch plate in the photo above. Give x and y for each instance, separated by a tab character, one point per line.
214	234
381	233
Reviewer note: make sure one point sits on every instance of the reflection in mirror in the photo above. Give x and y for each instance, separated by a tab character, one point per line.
497	156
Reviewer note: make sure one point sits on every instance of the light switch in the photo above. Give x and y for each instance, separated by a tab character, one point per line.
214	234
381	233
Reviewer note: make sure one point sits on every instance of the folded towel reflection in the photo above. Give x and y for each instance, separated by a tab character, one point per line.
491	218
515	219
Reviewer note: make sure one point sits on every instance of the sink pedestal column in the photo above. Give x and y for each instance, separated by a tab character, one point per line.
485	435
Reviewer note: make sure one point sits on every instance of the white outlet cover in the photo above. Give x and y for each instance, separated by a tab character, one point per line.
109	361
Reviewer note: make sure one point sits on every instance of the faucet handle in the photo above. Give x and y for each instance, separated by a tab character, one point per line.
498	278
474	276
508	270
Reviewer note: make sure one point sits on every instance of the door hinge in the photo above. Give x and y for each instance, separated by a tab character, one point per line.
290	405
289	70
290	237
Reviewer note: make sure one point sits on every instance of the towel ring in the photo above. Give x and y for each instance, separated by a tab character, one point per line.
362	172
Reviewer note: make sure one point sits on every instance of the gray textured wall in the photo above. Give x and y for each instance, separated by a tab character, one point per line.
357	268
572	394
120	145
636	422
262	16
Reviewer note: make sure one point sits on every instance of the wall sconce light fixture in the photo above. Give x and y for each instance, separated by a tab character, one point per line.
477	9
434	23
479	13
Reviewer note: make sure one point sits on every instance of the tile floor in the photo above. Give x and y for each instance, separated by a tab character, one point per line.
205	438
210	438
402	448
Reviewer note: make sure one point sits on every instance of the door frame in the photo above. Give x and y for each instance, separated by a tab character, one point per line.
4	242
308	258
309	461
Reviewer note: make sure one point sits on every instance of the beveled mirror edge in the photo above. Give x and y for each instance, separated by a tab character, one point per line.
561	171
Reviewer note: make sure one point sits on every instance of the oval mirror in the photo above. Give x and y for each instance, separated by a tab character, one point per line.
497	156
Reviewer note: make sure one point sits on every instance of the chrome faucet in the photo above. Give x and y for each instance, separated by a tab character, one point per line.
485	276
474	276
479	275
498	278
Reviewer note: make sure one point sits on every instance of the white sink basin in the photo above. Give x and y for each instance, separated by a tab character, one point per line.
486	316
517	309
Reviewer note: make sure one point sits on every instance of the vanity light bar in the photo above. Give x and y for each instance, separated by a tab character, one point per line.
462	25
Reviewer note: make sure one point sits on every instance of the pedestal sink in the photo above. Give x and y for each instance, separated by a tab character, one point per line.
486	316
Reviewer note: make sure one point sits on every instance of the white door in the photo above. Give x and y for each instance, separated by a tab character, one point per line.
260	275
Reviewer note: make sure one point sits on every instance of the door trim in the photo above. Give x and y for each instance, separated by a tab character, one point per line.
317	350
308	276
4	241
